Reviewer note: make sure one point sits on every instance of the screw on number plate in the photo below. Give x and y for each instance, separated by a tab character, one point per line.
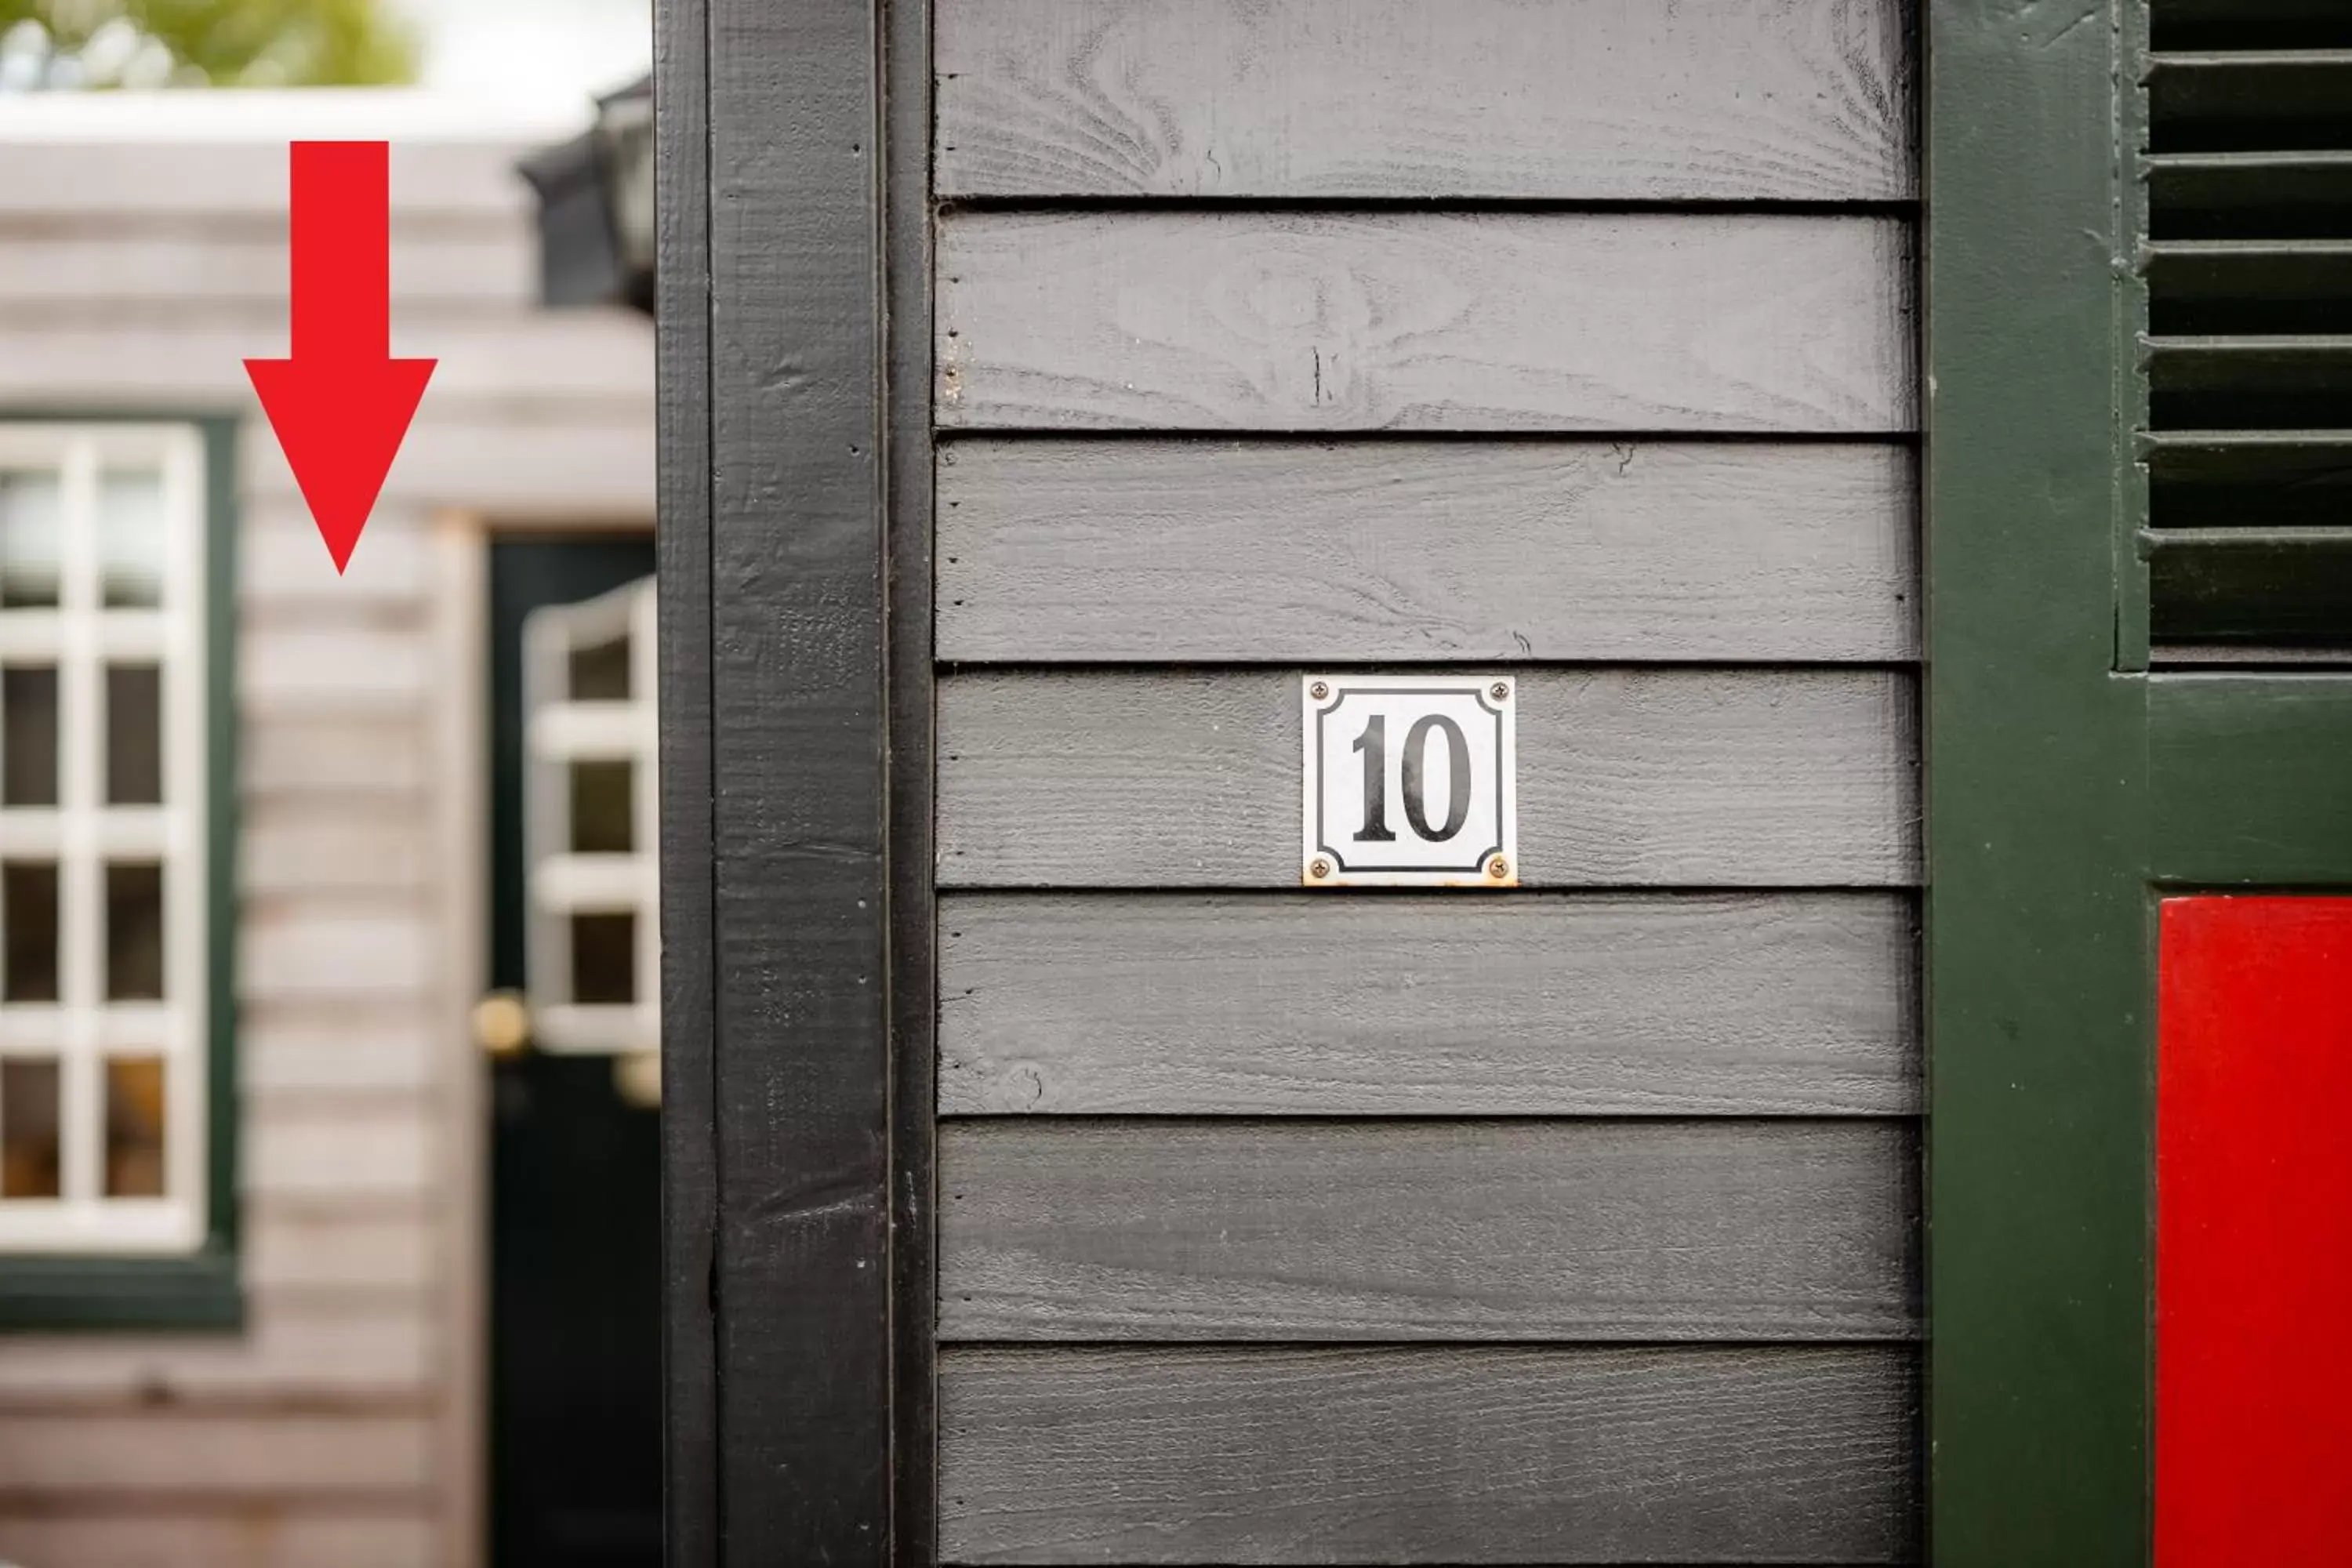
1319	690
1500	692
1318	868
1498	868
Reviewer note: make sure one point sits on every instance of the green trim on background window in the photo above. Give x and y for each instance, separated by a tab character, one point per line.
200	1289
2037	909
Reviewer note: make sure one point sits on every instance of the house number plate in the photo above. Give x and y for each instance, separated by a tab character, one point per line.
1412	780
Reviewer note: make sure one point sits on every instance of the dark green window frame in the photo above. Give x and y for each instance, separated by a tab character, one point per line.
199	1290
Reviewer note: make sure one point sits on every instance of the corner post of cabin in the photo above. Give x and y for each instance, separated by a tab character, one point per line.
776	781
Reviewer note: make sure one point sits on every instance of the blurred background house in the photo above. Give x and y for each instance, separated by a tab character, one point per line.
328	1171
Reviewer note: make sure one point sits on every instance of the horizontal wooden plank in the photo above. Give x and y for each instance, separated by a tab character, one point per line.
283	566
204	176
50	268
1590	1455
293	753
582	463
328	1261
262	1538
1610	99
387	1148
298	951
352	1353
1422	320
1398	552
353	667
340	1044
555	358
1627	777
1581	1005
1059	1230
251	1454
327	846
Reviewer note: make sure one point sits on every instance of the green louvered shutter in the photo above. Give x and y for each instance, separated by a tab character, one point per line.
2246	261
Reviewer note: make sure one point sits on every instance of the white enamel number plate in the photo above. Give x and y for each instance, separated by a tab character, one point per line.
1412	780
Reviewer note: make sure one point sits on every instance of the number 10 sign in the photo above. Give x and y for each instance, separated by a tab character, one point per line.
1412	780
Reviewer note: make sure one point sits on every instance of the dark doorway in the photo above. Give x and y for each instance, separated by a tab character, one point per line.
574	1446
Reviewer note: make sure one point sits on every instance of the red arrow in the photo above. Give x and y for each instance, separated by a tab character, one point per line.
340	404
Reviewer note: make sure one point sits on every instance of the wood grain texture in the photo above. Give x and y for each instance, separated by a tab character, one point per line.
1300	1003
1615	100
797	926
1627	777
1398	551
1379	1456
1421	321
1059	1230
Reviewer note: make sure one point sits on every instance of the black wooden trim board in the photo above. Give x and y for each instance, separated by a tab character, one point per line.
689	1127
795	878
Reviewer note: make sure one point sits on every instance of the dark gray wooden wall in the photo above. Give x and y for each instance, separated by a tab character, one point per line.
1573	1225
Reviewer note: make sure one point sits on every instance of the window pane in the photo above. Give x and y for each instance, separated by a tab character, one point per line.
130	536
604	958
134	1128
135	933
135	734
30	1166
32	508
600	672
28	906
28	737
603	803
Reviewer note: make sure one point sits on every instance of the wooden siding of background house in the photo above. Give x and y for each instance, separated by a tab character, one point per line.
1573	340
334	1429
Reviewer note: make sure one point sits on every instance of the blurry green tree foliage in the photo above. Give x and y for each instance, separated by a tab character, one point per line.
69	43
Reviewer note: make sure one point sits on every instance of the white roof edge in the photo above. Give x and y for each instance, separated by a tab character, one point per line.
231	115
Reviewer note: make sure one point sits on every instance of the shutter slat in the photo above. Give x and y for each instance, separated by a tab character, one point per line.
2237	101
2247	344
2254	195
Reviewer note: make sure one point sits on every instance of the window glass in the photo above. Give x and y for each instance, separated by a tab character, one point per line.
28	736
105	794
28	912
604	807
604	958
31	1149
135	932
135	734
32	536
600	672
131	533
134	1127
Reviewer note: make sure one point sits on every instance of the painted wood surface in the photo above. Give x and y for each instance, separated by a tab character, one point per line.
471	266
1062	1229
1423	321
354	1349
365	1537
521	361
240	175
1689	777
1597	99
2254	1195
1771	1004
1429	1454
139	273
236	1456
1392	552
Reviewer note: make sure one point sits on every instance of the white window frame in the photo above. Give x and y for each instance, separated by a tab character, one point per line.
559	730
83	834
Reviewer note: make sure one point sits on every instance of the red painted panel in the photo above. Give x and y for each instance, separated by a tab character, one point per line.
2253	1255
